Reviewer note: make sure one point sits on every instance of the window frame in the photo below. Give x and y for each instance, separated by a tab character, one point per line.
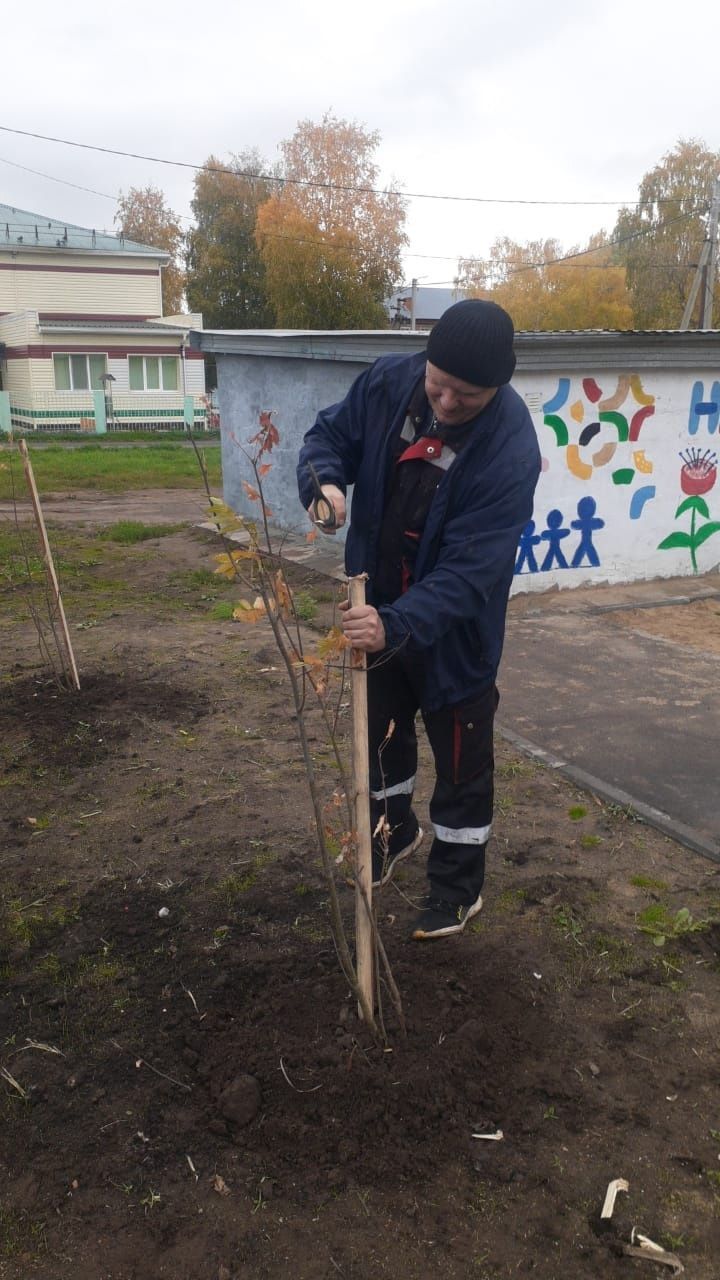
159	390
73	355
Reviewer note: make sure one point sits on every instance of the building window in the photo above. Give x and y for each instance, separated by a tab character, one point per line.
153	373
79	372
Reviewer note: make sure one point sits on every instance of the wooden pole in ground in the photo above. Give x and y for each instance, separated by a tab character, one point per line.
49	564
361	808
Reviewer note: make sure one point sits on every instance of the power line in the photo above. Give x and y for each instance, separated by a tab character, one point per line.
302	182
582	253
531	266
66	183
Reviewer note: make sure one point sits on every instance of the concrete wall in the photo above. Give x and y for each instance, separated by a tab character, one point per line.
295	390
628	424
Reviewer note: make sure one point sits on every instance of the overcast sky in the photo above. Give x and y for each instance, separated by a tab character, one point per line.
569	100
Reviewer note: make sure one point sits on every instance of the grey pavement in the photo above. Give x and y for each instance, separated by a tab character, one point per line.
633	717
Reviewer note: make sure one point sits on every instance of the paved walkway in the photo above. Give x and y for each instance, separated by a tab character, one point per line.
633	717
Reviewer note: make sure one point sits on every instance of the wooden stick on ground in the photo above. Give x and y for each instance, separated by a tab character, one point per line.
49	563
361	807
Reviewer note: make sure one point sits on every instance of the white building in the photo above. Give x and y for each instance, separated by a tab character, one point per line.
83	341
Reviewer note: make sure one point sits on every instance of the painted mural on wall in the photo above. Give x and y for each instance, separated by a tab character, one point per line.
618	452
698	476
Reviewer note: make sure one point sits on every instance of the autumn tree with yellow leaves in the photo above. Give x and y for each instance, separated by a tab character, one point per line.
662	235
545	287
329	237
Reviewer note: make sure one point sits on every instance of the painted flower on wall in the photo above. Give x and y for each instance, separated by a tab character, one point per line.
699	472
698	476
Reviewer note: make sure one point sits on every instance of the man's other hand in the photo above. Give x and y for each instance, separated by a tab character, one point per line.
363	627
336	498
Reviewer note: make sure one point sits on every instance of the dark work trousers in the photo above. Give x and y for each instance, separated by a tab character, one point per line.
461	738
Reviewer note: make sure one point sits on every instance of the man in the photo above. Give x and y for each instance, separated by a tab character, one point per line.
444	459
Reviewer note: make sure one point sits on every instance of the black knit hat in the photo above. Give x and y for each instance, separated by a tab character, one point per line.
473	341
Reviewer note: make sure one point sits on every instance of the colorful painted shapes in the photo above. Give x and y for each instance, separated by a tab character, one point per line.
605	454
643	464
614	402
553	536
639	498
618	421
558	426
700	408
560	397
589	432
636	387
592	390
577	411
638	419
575	464
624	475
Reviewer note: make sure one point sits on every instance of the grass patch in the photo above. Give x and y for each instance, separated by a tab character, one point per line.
20	1235
618	956
657	921
305	606
159	465
649	882
222	611
511	900
234	885
515	769
568	924
130	531
576	812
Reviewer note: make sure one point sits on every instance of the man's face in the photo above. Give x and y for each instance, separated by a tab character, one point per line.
454	401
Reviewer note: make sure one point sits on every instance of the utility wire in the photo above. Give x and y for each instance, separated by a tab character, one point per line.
66	183
530	266
302	182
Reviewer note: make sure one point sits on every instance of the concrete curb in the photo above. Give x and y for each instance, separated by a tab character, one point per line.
653	817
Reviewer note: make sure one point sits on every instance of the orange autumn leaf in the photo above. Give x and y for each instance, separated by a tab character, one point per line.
252	494
246	612
264	468
282	591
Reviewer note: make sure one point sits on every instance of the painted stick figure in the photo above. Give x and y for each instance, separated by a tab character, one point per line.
587	522
553	535
529	539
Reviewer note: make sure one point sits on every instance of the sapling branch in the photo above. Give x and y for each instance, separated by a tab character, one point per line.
276	605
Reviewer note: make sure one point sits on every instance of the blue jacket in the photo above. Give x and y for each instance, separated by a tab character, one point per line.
453	615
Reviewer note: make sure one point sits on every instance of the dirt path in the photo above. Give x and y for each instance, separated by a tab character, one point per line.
187	1091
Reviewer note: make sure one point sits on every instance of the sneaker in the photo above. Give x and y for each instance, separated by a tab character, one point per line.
440	919
385	864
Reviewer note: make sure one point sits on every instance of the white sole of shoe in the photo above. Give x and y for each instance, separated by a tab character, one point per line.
420	935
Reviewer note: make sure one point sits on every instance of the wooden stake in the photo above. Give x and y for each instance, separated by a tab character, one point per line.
49	563
361	806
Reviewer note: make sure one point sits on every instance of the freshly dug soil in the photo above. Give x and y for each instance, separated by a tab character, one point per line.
186	1089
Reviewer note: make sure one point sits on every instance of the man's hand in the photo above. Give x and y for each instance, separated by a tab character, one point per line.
336	498
363	627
